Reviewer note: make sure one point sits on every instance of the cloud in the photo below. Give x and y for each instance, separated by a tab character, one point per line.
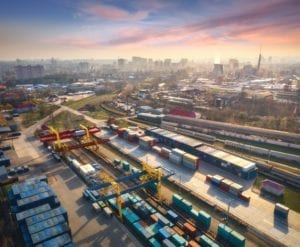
113	13
76	42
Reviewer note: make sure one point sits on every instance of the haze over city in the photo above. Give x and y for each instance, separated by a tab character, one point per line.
198	30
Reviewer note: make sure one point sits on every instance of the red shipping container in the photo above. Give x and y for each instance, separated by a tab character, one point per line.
153	217
224	187
208	178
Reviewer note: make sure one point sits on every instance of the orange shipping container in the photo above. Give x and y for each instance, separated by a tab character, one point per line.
190	229
178	230
193	243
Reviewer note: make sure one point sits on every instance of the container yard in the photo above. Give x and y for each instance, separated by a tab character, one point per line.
234	190
125	192
37	212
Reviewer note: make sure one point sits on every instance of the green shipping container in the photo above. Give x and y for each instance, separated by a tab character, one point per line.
207	242
224	231
178	240
154	243
204	219
194	214
176	197
236	239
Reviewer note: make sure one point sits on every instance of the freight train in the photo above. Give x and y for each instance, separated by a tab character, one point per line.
284	136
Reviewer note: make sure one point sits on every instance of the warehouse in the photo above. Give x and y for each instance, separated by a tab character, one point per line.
239	166
174	140
236	165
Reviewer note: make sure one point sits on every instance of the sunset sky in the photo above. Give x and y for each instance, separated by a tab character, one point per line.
203	29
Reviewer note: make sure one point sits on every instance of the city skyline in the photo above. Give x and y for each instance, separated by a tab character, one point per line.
112	29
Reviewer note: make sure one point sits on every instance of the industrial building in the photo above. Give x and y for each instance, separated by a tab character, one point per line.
234	164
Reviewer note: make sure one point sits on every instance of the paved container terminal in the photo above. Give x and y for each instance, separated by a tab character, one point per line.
259	213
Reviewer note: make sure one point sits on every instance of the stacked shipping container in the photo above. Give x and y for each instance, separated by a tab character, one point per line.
36	209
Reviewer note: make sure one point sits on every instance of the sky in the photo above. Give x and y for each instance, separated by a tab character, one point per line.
110	29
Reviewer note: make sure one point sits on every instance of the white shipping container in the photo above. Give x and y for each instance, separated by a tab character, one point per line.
156	149
190	157
175	158
217	178
108	212
76	163
79	132
189	165
178	151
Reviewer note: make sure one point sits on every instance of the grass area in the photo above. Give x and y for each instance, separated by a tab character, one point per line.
291	197
67	120
94	100
93	106
43	110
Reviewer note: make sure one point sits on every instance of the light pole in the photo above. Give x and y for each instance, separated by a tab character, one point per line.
228	208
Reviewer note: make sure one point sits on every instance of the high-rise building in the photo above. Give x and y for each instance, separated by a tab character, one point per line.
233	64
167	62
29	71
121	62
218	70
84	67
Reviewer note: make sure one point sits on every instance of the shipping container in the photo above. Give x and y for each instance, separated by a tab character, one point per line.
225	184
49	233
40	226
236	189
36	200
178	240
189	229
204	219
245	197
207	242
154	243
223	231
178	230
20	217
281	210
46	215
172	216
216	180
60	241
168	243
272	187
193	243
208	178
236	239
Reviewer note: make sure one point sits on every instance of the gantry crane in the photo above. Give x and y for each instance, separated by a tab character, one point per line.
147	176
85	141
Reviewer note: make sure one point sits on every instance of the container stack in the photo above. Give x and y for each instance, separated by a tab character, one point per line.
281	211
165	152
229	186
191	161
176	156
231	237
37	211
146	142
216	180
272	187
